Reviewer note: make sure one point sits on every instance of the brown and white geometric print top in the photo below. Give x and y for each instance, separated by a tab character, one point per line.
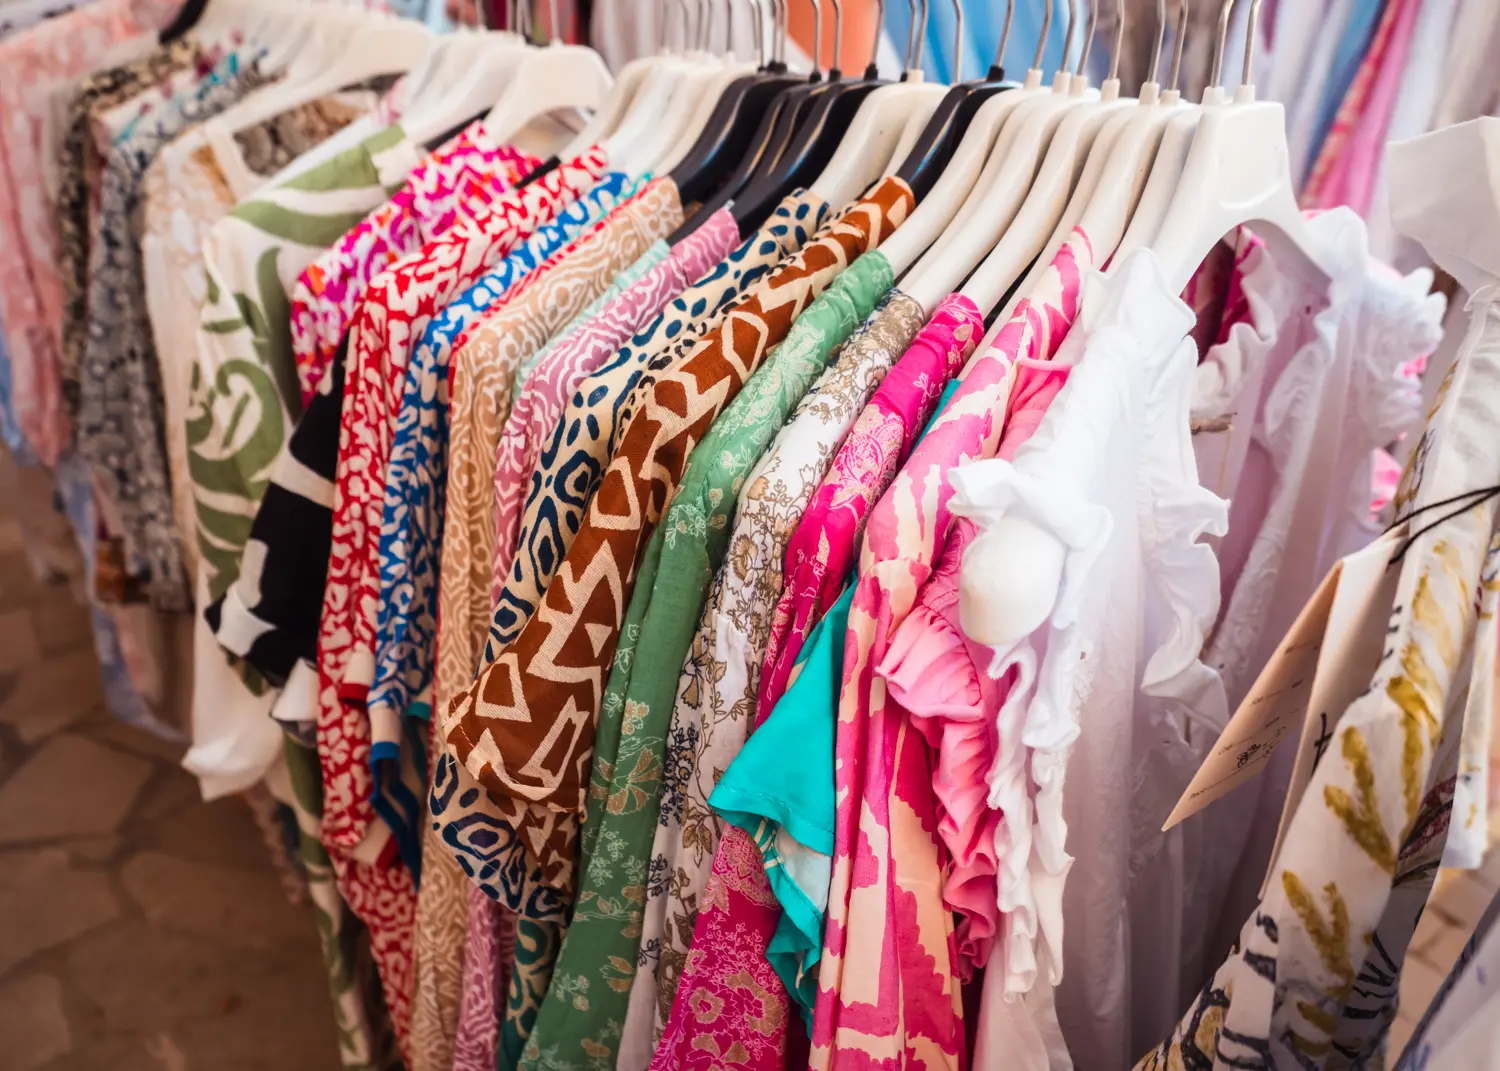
525	729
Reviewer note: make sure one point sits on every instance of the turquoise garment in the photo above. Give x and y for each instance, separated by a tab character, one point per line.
1354	41
779	789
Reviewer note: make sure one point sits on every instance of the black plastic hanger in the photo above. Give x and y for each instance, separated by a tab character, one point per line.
945	129
187	17
728	134
811	147
775	131
801	159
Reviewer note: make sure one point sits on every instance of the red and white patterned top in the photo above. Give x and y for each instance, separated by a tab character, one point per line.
401	301
455	182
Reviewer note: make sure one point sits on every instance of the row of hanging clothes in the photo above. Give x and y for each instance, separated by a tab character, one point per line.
726	568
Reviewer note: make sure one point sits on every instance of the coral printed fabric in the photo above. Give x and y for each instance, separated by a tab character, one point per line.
895	998
458	180
544	690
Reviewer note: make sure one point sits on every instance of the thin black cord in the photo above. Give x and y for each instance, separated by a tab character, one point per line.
1470	499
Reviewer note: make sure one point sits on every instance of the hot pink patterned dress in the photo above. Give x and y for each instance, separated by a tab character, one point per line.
891	996
731	1009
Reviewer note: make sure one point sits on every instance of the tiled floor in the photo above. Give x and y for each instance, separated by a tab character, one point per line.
140	928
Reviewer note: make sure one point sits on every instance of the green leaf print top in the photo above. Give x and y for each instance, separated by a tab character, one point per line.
244	396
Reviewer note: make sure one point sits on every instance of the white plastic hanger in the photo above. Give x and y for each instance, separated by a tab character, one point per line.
1116	170
1237	172
685	116
622	94
929	221
1002	185
449	104
868	144
1011	123
1046	201
653	99
449	58
1171	157
548	79
365	46
730	71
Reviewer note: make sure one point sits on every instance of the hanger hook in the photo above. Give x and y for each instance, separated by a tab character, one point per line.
1088	37
1247	73
729	34
780	6
1010	11
1178	42
911	36
838	33
683	7
1221	41
922	37
706	32
958	41
1154	68
1114	59
879	23
817	58
1041	48
758	12
552	14
1069	36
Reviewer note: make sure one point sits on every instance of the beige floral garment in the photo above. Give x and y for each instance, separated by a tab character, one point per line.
717	688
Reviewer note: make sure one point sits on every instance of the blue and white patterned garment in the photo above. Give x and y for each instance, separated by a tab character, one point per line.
571	465
405	638
416	478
